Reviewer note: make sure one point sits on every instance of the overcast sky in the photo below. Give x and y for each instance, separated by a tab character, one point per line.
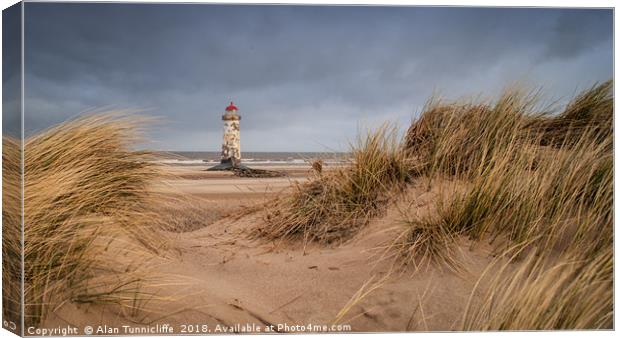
305	78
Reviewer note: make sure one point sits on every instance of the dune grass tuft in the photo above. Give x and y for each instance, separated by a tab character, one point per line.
570	293
11	229
591	112
426	242
86	203
550	205
463	139
538	180
517	187
335	205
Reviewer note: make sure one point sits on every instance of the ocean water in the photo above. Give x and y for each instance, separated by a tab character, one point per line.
263	158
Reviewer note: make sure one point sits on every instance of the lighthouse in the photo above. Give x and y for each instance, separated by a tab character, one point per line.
231	149
231	145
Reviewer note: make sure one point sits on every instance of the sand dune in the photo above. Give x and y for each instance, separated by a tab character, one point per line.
227	281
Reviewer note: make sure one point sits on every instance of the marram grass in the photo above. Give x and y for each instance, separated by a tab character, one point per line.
537	179
540	181
332	207
568	293
86	200
11	228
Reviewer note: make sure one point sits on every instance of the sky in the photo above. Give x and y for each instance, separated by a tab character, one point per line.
305	78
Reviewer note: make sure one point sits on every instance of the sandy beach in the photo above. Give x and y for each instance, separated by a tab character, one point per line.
227	281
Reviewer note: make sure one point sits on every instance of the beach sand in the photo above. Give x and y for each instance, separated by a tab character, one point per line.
219	279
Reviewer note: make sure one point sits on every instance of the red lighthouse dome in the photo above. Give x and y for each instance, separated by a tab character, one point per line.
231	107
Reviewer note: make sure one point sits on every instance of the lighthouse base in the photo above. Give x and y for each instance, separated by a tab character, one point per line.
243	171
226	166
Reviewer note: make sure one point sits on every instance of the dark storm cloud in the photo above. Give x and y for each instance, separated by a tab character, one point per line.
305	77
11	71
570	37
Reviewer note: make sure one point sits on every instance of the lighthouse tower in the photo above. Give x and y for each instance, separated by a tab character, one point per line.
231	146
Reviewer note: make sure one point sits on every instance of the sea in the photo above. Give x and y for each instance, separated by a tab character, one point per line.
254	158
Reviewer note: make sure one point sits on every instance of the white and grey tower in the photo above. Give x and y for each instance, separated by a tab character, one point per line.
231	141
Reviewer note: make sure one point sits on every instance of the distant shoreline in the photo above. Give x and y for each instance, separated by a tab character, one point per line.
252	158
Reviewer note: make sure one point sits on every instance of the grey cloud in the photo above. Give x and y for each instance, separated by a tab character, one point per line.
11	71
307	74
575	33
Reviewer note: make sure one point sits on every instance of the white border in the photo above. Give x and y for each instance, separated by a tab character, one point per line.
475	3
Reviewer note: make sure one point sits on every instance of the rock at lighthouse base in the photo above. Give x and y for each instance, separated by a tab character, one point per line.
226	166
243	171
251	172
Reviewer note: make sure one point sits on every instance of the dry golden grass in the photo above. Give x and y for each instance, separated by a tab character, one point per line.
588	112
570	293
89	231
179	212
333	206
11	229
517	188
371	285
541	181
464	138
549	205
426	242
